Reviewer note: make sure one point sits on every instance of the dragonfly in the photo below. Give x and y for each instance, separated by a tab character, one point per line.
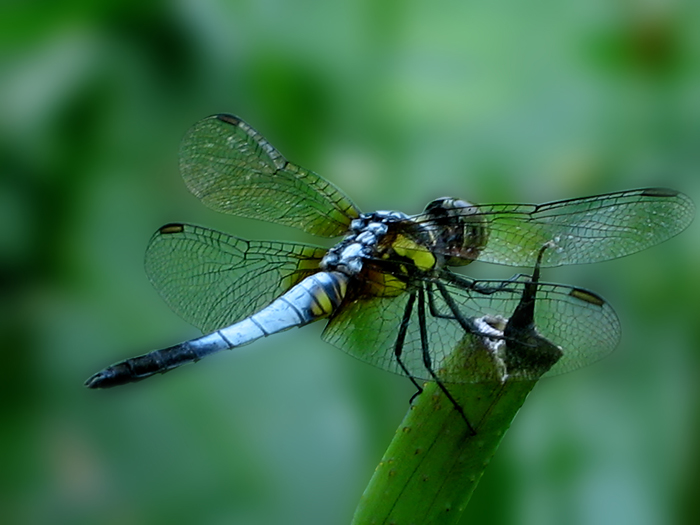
389	289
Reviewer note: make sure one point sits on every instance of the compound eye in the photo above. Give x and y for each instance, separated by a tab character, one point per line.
459	204
439	206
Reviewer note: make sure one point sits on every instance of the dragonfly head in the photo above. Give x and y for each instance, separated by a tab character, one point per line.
459	230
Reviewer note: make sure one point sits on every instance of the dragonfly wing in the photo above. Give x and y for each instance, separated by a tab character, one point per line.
367	329
585	230
233	169
581	323
213	280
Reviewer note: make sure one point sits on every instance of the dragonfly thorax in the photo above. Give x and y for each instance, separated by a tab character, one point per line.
384	251
367	232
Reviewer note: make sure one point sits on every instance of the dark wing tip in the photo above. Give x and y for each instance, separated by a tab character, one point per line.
684	205
587	296
173	227
660	192
229	119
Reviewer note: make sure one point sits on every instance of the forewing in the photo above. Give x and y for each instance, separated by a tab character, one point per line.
232	169
213	280
581	323
586	230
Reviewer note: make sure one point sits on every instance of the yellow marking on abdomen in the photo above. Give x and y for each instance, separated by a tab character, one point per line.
322	303
328	293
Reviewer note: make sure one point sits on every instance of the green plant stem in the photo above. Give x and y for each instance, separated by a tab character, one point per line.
433	464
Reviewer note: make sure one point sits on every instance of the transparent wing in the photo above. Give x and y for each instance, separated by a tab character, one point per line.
581	323
213	280
232	169
586	230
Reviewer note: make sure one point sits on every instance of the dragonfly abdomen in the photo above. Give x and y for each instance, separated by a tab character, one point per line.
157	362
315	297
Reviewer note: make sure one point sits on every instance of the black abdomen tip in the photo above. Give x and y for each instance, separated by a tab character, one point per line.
112	376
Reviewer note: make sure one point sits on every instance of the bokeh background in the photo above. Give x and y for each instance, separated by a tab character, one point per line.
397	103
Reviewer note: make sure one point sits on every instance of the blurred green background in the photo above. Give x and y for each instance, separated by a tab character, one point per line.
397	103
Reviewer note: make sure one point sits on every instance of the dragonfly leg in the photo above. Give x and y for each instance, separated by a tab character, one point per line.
398	346
432	307
475	286
427	361
466	323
